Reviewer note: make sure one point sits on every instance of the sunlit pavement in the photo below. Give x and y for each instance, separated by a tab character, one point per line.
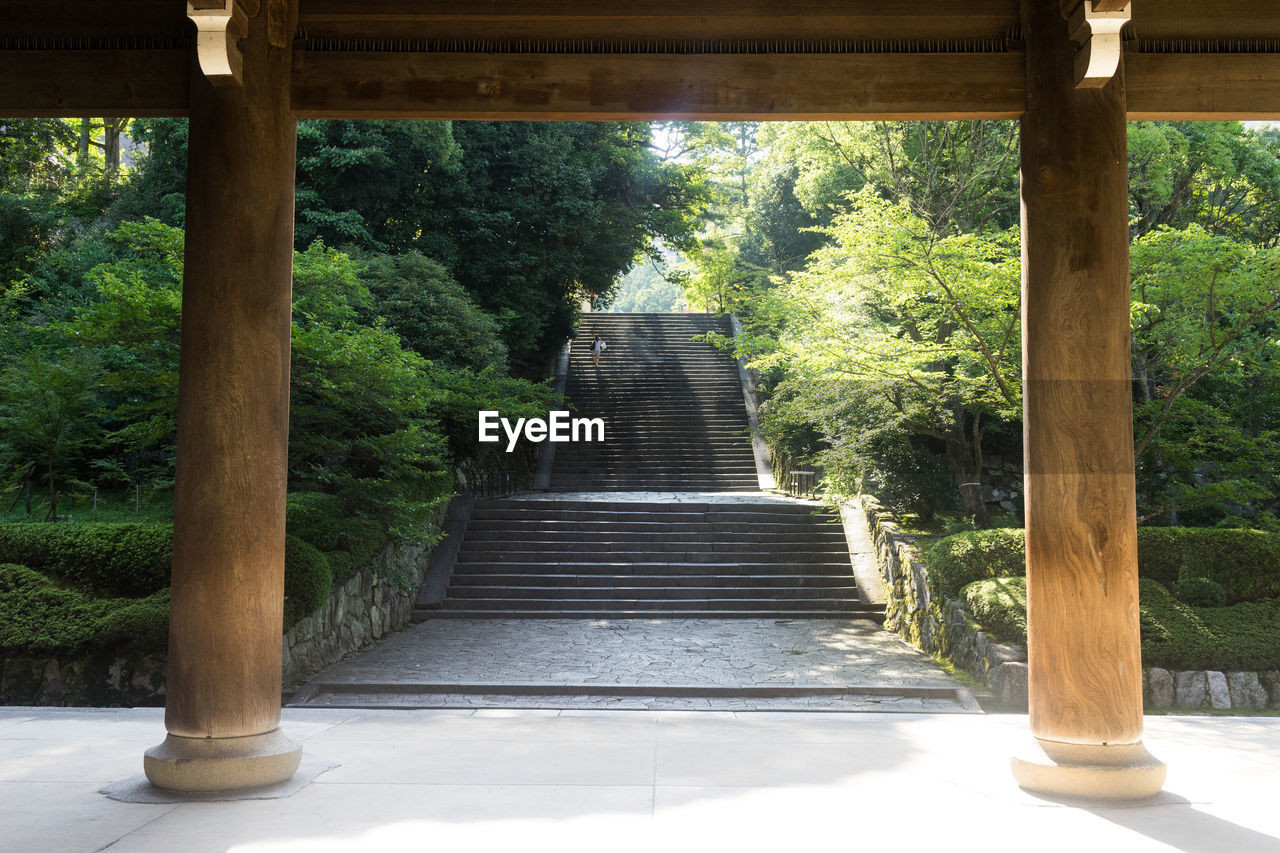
605	781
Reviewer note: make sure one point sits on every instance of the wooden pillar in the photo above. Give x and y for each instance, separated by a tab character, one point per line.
1083	649
223	695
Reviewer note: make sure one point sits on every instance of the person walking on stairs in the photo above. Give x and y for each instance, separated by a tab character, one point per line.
597	346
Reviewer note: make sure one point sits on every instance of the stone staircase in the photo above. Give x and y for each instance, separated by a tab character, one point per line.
676	424
625	559
673	408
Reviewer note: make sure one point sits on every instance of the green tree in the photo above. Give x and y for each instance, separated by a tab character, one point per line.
928	325
46	420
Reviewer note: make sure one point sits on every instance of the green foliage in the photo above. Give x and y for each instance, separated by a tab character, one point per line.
308	580
433	314
1245	563
106	559
40	617
1176	635
46	400
314	517
1199	592
959	560
999	605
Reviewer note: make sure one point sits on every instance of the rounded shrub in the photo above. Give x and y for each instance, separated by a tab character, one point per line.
308	580
314	517
1201	592
1000	606
975	555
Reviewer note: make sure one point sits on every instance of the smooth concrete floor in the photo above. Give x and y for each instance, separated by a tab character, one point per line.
606	781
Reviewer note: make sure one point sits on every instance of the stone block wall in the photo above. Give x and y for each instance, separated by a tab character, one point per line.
374	602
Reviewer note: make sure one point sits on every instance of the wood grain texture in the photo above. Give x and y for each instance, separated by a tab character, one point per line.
488	86
72	84
233	403
1197	86
1082	616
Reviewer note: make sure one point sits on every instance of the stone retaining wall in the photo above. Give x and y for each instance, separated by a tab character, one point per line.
375	601
100	679
917	612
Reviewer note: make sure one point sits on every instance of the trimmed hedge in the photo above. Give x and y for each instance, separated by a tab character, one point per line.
129	559
1175	635
40	617
308	580
314	517
1244	563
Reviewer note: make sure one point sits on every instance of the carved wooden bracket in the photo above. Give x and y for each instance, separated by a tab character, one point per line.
220	24
1095	25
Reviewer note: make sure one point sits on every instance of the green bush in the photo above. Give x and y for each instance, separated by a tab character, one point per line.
1175	635
1000	606
110	559
308	580
314	517
959	560
1245	563
1201	592
343	564
363	538
40	617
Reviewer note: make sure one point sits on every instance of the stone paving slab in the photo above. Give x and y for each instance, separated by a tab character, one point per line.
718	654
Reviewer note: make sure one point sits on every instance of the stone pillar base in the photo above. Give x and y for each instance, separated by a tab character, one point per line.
221	764
1090	771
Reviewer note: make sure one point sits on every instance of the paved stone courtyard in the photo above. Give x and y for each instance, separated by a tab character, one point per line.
776	664
493	780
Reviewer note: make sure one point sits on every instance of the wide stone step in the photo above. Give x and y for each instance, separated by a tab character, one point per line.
648	568
580	511
755	535
780	605
664	581
676	596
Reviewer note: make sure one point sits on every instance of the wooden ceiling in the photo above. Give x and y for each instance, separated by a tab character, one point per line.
638	59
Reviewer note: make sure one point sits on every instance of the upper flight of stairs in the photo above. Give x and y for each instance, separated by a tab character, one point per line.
618	559
673	408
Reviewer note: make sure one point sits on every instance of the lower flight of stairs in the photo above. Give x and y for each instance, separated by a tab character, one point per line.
607	559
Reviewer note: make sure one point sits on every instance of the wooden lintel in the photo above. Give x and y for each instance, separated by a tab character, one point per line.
1208	87
73	83
640	86
76	83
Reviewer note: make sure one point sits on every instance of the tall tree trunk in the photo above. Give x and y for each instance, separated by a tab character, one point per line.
82	156
111	128
966	467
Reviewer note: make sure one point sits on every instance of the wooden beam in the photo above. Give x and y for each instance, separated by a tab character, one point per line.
639	86
1198	19
536	19
76	83
1202	87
